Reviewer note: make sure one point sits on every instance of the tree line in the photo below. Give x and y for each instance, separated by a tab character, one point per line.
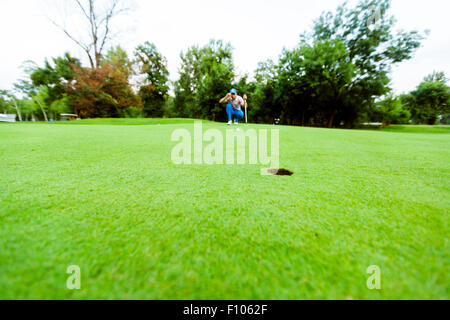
337	76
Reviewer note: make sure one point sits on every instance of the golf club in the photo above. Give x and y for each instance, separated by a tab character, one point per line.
245	107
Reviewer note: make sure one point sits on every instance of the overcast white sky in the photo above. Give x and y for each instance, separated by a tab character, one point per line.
257	29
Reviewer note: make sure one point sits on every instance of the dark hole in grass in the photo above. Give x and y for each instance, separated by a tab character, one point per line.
280	172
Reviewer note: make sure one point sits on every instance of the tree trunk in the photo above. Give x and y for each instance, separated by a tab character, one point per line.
43	111
330	122
17	109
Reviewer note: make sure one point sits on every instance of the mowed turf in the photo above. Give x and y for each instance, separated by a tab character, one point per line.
109	199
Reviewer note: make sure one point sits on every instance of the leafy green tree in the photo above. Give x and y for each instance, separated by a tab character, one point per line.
264	98
436	76
30	109
217	68
10	103
5	107
40	98
117	58
187	86
155	85
206	74
57	78
60	106
372	49
429	100
390	111
315	81
122	67
334	75
169	107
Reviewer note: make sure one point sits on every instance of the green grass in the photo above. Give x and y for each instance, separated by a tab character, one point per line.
120	121
418	129
108	199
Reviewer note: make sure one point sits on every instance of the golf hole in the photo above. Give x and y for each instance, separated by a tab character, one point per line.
280	172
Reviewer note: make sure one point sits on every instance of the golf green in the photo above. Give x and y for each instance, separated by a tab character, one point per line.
109	199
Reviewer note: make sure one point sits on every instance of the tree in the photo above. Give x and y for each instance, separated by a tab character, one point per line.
63	85
218	75
264	99
317	77
101	93
98	16
7	98
436	76
117	58
39	98
390	111
429	100
57	77
49	84
122	70
334	75
372	49
206	74
59	106
186	87
154	85
4	104
30	109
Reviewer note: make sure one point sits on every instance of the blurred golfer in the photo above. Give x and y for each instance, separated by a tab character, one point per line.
234	106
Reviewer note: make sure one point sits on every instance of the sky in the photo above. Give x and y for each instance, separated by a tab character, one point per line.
257	30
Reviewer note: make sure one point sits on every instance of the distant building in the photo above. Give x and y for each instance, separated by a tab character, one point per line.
7	118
